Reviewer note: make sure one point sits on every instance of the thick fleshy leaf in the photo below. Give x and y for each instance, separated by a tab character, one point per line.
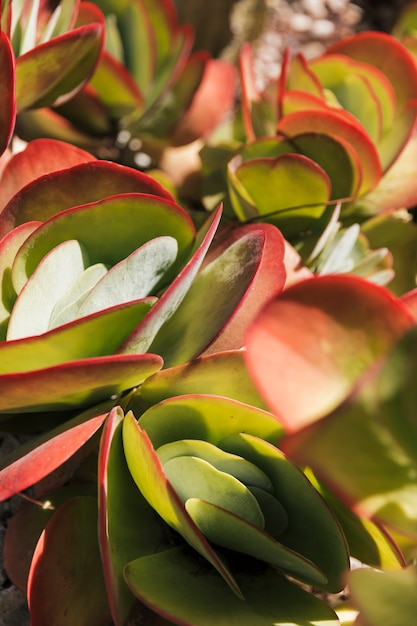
148	217
26	526
116	87
207	417
308	334
397	188
295	206
7	92
340	124
268	282
211	102
223	528
40	157
144	334
52	71
147	472
93	336
312	529
55	274
167	582
386	54
222	374
128	527
75	384
66	585
377	425
50	194
228	278
9	246
368	541
43	454
135	277
387	598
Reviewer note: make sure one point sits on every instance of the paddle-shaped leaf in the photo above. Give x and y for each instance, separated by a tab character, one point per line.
7	92
68	551
122	509
307	348
179	587
72	186
42	455
377	424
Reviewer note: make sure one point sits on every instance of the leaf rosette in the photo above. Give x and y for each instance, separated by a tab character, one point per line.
338	122
228	503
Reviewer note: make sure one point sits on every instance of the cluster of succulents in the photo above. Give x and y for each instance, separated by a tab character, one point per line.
218	391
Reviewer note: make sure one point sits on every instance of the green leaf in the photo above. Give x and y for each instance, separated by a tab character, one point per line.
109	230
206	417
48	73
387	598
67	307
226	529
135	277
222	374
147	472
312	531
246	472
69	185
177	586
66	586
55	274
227	279
192	477
294	206
93	336
128	527
75	384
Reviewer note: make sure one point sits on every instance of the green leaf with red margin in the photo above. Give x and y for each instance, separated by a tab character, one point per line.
41	455
268	282
386	54
66	585
93	336
336	123
301	78
271	188
378	427
250	92
397	189
116	88
176	585
75	384
9	245
110	230
40	157
148	474
7	92
54	70
142	337
128	526
307	349
221	374
229	279
387	598
55	192
85	112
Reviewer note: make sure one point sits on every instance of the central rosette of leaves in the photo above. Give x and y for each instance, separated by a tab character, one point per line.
216	485
209	468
